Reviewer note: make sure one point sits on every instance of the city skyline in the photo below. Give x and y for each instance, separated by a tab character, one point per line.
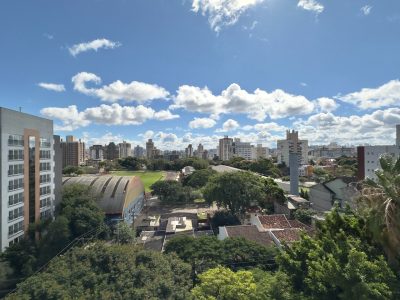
251	70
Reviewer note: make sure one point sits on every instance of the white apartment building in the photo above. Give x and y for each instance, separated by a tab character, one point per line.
124	149
368	157
294	145
243	149
26	173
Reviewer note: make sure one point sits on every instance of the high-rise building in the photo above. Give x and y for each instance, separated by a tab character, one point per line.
73	152
97	152
261	152
200	151
243	149
368	157
150	149
292	144
124	149
189	151
112	151
26	173
138	152
225	148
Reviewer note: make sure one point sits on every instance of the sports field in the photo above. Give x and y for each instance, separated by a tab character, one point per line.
148	177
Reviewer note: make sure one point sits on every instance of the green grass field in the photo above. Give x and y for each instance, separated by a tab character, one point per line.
148	177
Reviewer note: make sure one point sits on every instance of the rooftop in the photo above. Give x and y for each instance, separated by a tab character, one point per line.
249	232
274	221
287	235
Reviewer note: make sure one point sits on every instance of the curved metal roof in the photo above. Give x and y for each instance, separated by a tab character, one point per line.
113	192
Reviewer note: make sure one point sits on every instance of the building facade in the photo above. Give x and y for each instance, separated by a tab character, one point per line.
292	144
26	173
73	152
368	157
225	148
125	149
97	153
243	149
189	151
138	152
112	151
150	149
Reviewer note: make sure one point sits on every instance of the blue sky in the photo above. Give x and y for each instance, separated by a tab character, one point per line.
192	71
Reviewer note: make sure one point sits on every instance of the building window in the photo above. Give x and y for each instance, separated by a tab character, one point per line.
17	227
15	155
15	170
15	140
15	184
45	178
45	214
45	190
15	214
16	240
15	199
44	154
45	202
45	166
45	143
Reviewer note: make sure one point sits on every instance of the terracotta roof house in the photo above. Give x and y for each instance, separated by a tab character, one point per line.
248	232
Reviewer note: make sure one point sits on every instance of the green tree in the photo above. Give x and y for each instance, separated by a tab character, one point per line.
109	272
22	257
380	206
339	263
235	191
130	163
79	207
124	233
199	178
72	170
208	252
304	215
223	218
274	286
222	283
265	167
170	191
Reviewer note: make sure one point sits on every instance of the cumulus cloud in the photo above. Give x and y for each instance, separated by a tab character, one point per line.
366	9
134	91
94	45
268	127
114	114
257	105
311	5
52	86
326	104
386	95
222	13
229	125
375	128
202	123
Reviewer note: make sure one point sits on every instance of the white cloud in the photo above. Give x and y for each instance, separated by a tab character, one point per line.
383	96
222	13
164	115
311	5
375	128
257	105
93	45
202	123
48	36
114	114
366	9
326	104
229	125
134	91
52	86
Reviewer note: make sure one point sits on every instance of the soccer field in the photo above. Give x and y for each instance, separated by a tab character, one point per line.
148	177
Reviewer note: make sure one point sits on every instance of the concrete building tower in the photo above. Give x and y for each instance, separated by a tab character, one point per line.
26	173
398	135
149	148
200	151
292	143
124	149
189	151
225	148
73	152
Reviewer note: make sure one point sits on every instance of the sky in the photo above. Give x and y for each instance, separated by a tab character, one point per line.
192	71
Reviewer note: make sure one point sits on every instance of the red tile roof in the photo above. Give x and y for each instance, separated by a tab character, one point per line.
249	232
274	221
288	235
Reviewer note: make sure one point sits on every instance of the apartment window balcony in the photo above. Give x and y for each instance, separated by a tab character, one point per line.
15	140
15	228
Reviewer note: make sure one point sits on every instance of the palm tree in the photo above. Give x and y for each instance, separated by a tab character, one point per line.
380	205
